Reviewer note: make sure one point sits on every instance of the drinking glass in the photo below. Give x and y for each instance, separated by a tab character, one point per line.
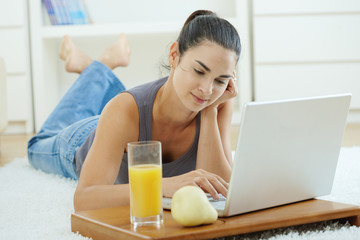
145	179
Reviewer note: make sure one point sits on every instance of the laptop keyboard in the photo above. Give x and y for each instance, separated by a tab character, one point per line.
218	204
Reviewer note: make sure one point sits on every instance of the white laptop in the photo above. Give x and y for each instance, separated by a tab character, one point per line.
287	151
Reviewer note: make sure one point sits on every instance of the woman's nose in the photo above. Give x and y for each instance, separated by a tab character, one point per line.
205	87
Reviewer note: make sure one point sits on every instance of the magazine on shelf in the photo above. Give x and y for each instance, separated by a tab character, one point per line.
66	12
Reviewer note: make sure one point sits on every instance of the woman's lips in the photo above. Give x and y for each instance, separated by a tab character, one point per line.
199	100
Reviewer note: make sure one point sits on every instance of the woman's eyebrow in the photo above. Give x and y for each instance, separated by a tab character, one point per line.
208	69
203	65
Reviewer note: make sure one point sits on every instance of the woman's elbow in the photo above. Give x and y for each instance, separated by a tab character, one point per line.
78	205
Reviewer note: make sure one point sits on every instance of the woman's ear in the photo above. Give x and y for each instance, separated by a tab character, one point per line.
174	54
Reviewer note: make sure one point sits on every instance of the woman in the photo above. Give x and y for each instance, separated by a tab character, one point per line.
189	112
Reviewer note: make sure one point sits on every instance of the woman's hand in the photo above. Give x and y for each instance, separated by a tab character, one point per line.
209	182
230	92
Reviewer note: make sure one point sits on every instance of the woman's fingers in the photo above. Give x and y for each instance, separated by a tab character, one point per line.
209	182
234	75
221	187
212	184
232	88
205	184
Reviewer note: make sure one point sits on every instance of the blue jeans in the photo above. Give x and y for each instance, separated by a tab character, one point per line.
53	149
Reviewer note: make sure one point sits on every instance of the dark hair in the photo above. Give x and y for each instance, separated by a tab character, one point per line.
206	25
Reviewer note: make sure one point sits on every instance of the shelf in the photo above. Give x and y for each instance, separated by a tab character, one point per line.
93	30
53	32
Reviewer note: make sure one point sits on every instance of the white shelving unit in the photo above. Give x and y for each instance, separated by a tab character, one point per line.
14	49
151	27
307	48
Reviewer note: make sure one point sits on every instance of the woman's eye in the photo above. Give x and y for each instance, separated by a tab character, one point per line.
220	81
198	71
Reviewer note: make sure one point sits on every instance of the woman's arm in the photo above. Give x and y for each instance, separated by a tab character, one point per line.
118	125
214	149
224	123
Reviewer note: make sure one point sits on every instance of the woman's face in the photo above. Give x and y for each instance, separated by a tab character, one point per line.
202	74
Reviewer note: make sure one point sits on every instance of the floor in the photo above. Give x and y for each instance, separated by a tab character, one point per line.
12	146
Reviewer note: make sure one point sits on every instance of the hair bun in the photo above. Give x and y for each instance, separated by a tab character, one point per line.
198	13
205	25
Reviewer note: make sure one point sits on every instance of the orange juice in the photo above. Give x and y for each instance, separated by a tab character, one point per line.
145	190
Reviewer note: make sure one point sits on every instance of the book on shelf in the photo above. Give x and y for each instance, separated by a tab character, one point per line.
66	12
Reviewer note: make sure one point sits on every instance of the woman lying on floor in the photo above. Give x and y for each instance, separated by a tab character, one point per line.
190	112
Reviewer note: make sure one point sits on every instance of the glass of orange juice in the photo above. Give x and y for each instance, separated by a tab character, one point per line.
145	179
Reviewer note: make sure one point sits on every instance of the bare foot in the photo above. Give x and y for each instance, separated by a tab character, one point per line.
117	55
75	59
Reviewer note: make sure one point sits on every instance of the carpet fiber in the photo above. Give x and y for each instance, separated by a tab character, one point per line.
35	205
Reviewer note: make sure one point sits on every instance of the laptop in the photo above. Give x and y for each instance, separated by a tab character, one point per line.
287	151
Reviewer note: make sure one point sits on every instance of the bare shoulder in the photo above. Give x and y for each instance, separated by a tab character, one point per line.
125	102
118	124
121	114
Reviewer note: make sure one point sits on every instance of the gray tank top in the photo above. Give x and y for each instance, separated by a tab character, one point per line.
144	96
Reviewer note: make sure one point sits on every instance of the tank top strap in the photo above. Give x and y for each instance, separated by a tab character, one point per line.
144	96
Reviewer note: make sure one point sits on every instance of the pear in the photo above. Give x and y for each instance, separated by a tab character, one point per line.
191	207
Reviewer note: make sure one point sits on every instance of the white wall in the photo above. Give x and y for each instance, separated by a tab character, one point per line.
306	48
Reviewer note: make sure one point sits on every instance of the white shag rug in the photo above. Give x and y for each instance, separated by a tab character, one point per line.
35	205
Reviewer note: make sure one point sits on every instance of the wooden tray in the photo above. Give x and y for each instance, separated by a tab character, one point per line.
114	223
